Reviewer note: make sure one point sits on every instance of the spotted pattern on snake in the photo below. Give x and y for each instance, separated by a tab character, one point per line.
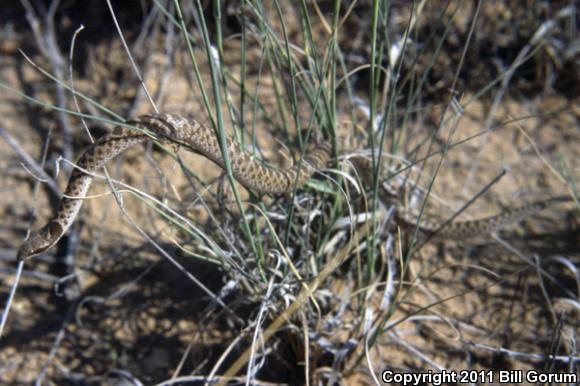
250	172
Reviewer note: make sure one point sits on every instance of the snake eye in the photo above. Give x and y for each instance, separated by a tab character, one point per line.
39	249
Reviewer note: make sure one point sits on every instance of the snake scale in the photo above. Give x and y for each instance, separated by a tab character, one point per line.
250	172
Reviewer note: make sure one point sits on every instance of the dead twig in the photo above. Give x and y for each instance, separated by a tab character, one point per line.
30	162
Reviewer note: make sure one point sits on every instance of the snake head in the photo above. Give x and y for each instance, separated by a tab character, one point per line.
40	240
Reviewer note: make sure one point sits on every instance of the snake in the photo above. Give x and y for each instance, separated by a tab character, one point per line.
252	173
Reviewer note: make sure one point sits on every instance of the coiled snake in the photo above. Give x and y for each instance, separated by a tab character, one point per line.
254	175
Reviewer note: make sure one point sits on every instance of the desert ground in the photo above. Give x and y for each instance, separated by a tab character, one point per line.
174	274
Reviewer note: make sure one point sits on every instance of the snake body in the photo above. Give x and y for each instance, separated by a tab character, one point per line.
471	228
176	129
250	172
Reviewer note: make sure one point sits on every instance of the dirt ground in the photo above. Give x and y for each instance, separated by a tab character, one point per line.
120	307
